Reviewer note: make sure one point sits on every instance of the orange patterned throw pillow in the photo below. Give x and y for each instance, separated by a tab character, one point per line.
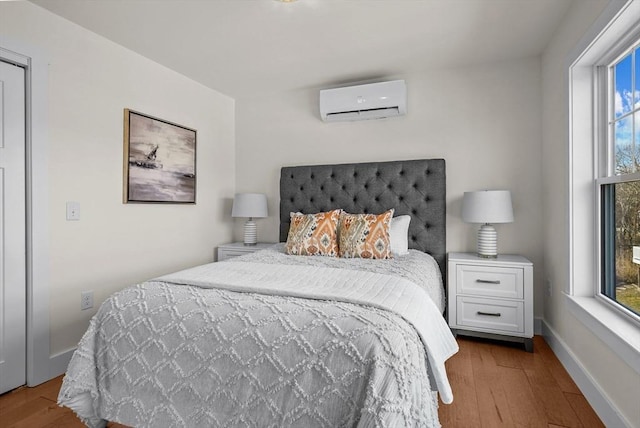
313	234
365	235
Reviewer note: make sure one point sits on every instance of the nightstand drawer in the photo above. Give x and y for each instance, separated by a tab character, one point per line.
235	249
490	281
502	316
227	254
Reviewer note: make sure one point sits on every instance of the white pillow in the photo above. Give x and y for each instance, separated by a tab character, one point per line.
399	235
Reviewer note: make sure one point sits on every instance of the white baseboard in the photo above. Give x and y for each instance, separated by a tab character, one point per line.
597	398
58	363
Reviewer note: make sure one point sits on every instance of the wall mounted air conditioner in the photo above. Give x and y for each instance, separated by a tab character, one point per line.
361	102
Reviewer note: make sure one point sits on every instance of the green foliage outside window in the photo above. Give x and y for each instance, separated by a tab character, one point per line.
625	123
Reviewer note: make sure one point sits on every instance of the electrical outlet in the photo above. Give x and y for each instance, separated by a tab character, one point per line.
86	300
549	287
73	211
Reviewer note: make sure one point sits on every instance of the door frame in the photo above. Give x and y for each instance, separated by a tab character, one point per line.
37	209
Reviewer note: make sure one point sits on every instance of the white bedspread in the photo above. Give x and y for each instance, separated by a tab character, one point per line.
247	344
388	292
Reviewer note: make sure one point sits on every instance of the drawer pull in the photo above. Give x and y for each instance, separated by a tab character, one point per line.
490	314
487	281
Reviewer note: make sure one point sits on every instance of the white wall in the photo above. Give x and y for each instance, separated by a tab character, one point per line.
91	81
484	121
618	382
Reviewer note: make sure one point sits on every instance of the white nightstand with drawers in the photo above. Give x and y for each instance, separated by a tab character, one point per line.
491	297
235	249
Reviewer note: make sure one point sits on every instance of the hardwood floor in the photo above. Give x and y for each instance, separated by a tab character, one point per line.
494	385
37	408
500	385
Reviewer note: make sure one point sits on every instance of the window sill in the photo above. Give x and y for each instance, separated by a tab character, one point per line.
619	333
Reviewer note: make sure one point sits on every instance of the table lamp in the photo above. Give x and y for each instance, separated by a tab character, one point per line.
251	205
487	207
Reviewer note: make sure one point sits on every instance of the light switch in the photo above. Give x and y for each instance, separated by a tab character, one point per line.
73	211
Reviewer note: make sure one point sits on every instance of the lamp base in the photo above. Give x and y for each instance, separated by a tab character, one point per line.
250	233
487	241
484	256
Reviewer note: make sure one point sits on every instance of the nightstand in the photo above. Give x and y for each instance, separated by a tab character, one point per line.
235	249
491	297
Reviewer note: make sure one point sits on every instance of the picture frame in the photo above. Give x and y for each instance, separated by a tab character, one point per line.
159	160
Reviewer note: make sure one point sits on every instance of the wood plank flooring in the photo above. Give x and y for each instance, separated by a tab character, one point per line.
494	384
37	408
498	384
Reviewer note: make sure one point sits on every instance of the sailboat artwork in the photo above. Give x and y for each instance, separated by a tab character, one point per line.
160	160
150	161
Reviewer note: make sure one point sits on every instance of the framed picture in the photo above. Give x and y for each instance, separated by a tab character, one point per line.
159	160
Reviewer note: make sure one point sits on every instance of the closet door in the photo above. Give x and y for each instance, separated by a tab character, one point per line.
12	228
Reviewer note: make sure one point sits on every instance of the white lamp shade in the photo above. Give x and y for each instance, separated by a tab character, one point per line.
252	205
487	206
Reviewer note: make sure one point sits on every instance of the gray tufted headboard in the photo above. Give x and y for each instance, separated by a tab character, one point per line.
413	187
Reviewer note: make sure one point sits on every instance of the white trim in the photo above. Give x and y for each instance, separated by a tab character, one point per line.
610	17
60	362
610	326
617	25
582	161
582	266
38	350
595	395
615	179
14	57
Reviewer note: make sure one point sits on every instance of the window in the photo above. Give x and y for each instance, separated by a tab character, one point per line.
619	183
591	151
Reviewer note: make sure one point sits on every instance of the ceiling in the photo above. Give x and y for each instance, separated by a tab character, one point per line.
247	48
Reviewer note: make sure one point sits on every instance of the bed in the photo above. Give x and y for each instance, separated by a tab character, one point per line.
274	340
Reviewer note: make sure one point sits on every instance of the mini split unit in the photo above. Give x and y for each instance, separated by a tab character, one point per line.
362	102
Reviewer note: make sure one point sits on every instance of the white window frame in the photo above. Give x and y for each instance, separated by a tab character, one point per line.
614	31
605	153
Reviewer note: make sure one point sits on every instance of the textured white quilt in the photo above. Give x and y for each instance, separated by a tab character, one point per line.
416	266
256	344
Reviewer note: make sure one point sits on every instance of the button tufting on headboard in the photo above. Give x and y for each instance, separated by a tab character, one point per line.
414	187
